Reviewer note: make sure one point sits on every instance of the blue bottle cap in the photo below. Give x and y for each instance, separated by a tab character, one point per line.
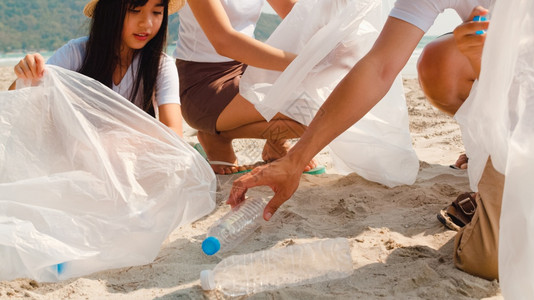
211	245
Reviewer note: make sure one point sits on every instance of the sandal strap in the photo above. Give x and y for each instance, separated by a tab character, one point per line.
462	209
222	163
466	203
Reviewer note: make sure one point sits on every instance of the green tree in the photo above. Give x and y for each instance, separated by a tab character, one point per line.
45	25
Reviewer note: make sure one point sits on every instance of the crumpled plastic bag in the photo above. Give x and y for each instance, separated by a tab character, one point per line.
88	181
497	120
330	36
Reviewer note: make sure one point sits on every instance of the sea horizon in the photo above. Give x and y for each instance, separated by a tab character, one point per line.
10	59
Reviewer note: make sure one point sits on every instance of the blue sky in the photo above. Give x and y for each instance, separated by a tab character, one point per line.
446	22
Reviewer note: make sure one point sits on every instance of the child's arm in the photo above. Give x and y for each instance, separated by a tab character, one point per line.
469	39
171	115
282	7
211	16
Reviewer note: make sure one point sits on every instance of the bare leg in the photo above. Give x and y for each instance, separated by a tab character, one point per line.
276	132
445	74
218	148
275	149
240	119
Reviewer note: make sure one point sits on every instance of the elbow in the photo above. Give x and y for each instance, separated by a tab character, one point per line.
387	73
223	46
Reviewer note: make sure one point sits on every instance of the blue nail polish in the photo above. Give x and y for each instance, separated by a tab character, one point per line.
480	19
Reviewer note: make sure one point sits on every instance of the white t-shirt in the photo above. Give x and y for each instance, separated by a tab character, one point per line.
71	56
193	45
423	13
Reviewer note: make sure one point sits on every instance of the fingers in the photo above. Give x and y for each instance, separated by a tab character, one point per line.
273	206
30	67
35	63
281	176
474	24
469	39
242	184
237	193
470	29
39	63
478	11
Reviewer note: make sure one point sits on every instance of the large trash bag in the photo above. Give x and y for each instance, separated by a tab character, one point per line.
330	36
88	181
497	120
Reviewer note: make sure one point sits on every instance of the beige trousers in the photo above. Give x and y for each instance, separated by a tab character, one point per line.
476	245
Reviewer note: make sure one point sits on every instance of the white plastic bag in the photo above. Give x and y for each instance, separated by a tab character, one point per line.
330	36
498	121
88	181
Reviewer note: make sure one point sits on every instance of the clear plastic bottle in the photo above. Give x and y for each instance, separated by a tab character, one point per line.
234	226
277	268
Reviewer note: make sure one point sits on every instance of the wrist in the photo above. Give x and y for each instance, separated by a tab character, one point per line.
298	158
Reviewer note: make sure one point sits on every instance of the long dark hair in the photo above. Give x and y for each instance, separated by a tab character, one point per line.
103	48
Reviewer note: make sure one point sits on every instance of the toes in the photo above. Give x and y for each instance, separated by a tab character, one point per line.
224	170
312	164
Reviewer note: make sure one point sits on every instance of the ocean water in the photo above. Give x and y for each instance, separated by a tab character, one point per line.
11	59
409	71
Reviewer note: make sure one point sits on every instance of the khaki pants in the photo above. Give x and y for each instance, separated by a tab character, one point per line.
476	245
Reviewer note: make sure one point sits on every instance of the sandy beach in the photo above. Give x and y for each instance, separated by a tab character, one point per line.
399	249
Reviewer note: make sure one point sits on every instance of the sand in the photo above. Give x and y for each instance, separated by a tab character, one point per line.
399	249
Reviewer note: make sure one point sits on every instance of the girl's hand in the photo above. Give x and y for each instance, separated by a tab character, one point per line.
30	67
469	40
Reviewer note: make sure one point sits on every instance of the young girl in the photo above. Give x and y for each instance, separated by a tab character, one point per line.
216	42
124	51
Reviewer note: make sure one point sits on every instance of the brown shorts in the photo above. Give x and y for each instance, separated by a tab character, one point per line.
206	89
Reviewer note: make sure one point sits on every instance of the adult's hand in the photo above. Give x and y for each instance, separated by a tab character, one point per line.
468	41
282	176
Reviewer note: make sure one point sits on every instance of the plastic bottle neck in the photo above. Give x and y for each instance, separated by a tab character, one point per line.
207	280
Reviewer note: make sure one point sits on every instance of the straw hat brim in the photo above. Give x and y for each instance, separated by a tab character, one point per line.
174	6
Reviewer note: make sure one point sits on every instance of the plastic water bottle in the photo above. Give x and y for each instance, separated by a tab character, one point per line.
234	226
277	268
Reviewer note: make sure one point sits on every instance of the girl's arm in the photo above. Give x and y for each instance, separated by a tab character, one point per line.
228	42
468	41
171	115
282	7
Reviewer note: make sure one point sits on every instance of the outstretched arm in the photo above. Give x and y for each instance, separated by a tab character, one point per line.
368	81
228	42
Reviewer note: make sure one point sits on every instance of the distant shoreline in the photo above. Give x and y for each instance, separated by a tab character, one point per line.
409	71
